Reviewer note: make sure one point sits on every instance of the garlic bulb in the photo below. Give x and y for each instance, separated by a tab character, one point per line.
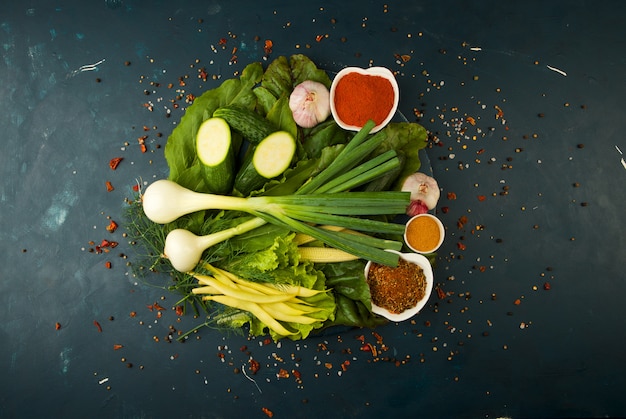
424	193
310	103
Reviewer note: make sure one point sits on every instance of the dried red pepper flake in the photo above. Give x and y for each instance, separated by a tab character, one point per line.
114	162
57	326
202	74
254	365
440	293
107	264
461	221
282	373
222	41
179	310
132	314
109	186
267	412
481	197
451	196
143	148
112	226
117	346
461	246
136	187
95	323
296	374
445	210
517	302
267	47
546	286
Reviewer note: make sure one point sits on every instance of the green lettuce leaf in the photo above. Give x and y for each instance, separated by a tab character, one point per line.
180	152
302	69
408	137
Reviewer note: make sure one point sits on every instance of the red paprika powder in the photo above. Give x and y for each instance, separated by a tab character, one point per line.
361	97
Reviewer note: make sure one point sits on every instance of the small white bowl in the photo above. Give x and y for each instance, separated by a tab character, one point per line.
442	233
371	71
422	262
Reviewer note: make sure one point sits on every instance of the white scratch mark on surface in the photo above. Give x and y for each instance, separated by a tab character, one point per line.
65	359
561	72
57	212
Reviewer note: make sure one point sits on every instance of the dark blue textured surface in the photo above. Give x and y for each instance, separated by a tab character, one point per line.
556	70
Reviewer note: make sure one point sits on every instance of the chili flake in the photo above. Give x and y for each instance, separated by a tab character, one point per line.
109	186
57	326
114	162
267	47
95	323
112	226
268	412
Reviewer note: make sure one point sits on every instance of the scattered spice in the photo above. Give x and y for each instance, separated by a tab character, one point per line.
109	186
360	97
57	326
95	323
112	226
396	289
114	162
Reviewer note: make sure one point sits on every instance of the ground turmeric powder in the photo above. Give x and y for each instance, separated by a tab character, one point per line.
423	234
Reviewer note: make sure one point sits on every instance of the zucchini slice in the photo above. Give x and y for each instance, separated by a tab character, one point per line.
269	159
214	148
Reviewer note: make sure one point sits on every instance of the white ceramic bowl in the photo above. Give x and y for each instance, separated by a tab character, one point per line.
442	233
371	71
422	262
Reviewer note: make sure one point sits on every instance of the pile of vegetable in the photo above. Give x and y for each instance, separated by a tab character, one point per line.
271	210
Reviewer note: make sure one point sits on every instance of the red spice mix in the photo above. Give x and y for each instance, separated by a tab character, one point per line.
396	289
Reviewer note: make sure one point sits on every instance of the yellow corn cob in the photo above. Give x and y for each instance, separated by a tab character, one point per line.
324	254
301	238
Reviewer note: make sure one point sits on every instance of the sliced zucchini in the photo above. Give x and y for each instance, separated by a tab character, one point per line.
214	148
269	159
